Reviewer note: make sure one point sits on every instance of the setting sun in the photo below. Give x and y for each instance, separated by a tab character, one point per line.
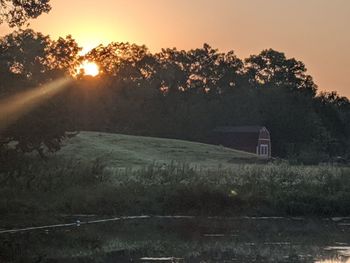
89	68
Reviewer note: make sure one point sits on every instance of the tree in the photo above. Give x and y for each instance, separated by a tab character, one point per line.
172	71
22	56
213	72
116	57
18	12
30	60
62	55
334	112
272	69
201	70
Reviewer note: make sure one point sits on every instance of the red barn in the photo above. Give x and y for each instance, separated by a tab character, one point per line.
253	139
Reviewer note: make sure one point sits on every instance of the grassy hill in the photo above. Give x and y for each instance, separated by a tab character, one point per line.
124	151
87	177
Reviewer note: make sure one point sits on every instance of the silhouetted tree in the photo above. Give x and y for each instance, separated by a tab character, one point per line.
22	56
334	112
63	55
173	93
115	57
18	12
272	69
28	60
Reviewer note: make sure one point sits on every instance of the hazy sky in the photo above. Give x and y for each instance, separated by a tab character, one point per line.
314	31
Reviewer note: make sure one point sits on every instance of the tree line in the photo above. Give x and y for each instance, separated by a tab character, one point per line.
173	94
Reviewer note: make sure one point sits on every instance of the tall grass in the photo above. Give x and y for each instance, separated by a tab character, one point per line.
251	189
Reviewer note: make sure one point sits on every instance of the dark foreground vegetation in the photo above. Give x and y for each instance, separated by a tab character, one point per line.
173	94
273	189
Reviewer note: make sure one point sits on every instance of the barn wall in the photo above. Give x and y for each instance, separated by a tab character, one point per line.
240	141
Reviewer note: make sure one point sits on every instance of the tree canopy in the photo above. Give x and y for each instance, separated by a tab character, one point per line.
30	60
173	93
18	12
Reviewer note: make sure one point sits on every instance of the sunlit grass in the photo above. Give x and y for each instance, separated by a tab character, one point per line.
118	151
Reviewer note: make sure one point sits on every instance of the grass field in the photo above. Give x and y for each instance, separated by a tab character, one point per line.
124	151
97	173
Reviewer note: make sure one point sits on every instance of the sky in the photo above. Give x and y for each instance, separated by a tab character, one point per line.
316	32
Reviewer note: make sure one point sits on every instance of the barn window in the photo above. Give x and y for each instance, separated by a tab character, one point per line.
264	149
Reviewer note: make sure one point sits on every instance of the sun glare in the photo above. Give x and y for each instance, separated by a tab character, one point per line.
89	68
14	107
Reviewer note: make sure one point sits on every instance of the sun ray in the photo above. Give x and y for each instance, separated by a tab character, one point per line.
14	107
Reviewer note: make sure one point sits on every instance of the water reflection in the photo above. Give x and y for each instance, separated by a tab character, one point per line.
185	240
334	261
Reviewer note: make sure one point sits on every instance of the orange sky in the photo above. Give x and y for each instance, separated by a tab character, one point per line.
314	31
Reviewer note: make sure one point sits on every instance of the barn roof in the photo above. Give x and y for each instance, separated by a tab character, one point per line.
238	129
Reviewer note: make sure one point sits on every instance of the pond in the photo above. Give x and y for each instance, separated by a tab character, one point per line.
182	239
